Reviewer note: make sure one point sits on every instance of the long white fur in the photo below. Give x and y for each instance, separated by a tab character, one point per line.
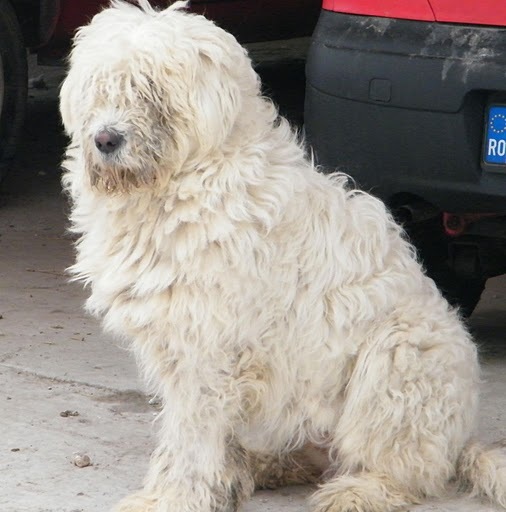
268	305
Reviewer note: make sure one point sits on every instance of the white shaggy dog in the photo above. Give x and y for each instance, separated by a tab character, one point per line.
271	308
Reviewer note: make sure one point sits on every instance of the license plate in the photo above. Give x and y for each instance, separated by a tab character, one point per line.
494	150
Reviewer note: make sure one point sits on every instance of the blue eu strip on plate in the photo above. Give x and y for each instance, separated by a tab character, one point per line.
494	151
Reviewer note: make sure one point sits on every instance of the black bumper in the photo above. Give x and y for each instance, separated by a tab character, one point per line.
399	105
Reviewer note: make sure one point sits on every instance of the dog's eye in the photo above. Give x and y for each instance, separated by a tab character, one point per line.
143	87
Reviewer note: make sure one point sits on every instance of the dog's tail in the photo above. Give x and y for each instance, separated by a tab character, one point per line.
483	470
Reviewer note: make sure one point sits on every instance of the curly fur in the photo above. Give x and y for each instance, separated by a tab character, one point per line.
269	306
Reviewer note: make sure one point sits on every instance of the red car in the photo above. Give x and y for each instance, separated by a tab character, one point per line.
46	27
409	98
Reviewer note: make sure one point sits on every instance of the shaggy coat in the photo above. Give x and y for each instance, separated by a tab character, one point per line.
270	307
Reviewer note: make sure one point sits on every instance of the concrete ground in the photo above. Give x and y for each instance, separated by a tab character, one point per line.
67	388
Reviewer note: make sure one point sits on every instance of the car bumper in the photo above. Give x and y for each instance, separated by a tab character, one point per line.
400	105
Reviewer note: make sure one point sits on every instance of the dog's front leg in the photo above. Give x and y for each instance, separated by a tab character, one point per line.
197	466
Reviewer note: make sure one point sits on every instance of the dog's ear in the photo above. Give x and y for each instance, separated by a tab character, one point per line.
217	102
67	92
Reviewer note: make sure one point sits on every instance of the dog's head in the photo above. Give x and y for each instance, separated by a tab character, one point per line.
149	91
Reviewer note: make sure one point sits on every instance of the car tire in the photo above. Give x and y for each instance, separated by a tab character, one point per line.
464	293
13	84
432	245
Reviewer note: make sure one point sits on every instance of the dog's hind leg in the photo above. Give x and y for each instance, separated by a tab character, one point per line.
361	492
408	412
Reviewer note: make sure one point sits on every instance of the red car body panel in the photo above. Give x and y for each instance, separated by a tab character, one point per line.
481	12
405	9
473	12
248	20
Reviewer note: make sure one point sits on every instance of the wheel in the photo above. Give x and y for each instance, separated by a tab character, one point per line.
432	245
463	292
13	83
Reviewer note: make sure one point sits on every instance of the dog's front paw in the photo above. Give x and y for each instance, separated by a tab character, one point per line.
137	502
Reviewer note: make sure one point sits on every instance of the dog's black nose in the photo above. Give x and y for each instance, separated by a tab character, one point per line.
108	141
